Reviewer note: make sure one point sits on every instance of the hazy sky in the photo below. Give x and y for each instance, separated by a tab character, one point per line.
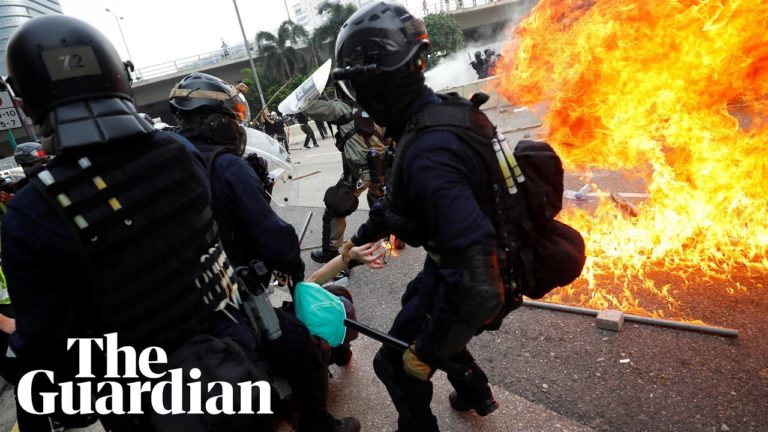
157	31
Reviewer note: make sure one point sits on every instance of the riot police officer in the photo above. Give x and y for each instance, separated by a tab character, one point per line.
120	218
210	111
28	156
432	200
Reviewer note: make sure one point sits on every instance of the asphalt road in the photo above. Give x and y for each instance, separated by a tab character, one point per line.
674	380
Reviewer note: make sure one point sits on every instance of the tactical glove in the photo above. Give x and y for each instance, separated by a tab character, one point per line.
414	366
297	274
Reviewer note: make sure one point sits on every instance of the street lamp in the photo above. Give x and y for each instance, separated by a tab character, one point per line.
117	20
250	56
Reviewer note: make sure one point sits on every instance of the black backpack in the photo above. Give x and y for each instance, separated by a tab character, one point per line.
541	253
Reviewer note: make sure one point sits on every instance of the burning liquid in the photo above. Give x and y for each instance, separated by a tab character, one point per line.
674	92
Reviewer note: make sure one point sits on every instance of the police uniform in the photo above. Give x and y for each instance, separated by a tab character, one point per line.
251	230
116	234
447	176
434	193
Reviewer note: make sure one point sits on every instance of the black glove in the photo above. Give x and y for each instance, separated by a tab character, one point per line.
297	274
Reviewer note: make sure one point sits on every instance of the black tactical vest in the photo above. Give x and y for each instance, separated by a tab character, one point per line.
142	216
455	115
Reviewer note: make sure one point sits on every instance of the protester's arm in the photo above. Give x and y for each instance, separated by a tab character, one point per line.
7	325
324	110
370	254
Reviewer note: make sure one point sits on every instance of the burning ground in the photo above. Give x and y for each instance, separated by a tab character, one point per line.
670	93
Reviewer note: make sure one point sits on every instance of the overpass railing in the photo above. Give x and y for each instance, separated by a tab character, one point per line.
437	6
239	52
194	63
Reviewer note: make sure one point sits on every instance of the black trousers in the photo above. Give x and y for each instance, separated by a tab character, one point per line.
321	128
294	357
412	396
310	135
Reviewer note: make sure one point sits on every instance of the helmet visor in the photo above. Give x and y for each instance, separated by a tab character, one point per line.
239	107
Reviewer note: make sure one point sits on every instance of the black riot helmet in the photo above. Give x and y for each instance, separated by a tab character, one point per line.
379	59
55	60
210	107
29	153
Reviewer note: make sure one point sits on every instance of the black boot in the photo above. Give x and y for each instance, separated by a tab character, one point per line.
482	408
326	253
323	256
315	416
349	424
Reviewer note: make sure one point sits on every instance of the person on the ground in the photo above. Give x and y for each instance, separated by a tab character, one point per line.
251	231
308	132
432	200
103	218
357	137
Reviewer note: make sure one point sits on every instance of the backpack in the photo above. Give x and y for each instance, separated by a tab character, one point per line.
540	253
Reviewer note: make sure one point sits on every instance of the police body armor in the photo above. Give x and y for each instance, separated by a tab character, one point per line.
148	237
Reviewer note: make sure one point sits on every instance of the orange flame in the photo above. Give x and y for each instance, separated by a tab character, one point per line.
674	92
391	245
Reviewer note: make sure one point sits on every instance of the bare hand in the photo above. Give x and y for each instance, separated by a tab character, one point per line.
7	325
370	254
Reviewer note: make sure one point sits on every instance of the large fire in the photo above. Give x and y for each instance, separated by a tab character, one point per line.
673	92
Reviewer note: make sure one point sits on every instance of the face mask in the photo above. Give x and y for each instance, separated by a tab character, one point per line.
389	97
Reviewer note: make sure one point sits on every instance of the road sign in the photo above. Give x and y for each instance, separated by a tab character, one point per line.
9	117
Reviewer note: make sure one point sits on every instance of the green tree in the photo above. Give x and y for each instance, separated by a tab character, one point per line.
279	51
254	102
335	15
445	35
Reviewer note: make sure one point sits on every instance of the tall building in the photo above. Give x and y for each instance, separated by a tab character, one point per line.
306	14
14	13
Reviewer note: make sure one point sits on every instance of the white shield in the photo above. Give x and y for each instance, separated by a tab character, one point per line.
308	91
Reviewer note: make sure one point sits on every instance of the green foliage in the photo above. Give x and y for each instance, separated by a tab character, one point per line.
335	15
445	35
279	51
253	94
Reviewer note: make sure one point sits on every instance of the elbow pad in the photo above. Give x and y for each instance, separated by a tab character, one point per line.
483	293
477	303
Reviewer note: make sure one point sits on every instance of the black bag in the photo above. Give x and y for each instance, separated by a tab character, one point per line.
340	199
218	360
543	186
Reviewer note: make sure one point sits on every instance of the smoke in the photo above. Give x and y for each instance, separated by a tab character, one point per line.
454	70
